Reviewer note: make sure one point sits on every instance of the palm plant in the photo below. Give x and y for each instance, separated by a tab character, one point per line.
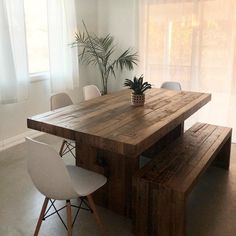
99	51
137	85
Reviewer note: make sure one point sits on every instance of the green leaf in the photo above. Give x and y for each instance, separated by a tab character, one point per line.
99	51
137	85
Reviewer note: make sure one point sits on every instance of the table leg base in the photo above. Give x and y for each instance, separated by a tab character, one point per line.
116	194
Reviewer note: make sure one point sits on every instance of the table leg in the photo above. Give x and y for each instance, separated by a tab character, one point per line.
116	195
165	141
222	160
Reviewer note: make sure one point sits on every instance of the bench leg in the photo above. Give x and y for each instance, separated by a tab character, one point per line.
222	159
159	211
168	213
141	208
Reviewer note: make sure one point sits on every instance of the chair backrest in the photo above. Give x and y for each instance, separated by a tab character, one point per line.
60	100
91	91
171	85
48	171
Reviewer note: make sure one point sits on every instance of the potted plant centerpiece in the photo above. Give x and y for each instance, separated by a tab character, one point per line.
102	52
138	87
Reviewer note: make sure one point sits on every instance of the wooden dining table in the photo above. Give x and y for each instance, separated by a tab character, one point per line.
110	135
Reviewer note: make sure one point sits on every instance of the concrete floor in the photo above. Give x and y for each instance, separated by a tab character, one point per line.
211	206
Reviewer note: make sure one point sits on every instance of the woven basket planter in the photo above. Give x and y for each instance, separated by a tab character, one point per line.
137	100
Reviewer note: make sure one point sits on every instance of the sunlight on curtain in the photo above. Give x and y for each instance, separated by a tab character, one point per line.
62	58
13	53
193	42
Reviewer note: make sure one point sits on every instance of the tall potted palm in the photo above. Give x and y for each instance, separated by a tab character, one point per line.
99	51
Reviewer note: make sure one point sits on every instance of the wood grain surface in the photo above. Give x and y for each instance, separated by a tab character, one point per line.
110	123
162	186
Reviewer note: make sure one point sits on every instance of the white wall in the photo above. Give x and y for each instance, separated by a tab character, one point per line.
13	116
87	11
119	19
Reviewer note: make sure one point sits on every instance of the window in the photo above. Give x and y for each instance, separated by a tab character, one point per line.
37	37
31	30
169	41
189	41
193	42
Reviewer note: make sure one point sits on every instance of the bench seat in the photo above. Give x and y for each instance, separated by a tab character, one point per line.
162	186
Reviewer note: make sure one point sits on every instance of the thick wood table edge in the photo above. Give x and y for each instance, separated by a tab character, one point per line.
157	131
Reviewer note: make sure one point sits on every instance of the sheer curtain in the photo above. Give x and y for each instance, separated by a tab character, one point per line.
63	59
13	53
193	42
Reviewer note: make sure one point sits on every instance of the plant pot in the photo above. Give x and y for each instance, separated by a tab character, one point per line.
137	99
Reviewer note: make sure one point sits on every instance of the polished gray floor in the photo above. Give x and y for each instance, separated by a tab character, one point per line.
211	206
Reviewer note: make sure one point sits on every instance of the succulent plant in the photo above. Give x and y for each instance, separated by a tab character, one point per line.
137	85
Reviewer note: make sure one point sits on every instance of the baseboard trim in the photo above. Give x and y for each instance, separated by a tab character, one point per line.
15	140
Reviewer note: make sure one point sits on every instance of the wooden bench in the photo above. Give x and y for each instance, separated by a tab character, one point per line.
162	186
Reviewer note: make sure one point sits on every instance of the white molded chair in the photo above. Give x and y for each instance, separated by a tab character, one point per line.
60	100
91	91
59	182
57	101
171	85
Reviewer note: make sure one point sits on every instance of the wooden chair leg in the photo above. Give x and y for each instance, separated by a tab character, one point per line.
93	207
62	147
44	207
69	218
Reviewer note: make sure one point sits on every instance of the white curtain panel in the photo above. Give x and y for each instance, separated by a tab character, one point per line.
63	58
13	54
193	42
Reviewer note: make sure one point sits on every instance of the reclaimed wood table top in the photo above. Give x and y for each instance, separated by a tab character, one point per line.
109	122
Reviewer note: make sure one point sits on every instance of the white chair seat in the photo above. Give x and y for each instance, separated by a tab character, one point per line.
171	85
60	100
57	101
84	181
91	91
